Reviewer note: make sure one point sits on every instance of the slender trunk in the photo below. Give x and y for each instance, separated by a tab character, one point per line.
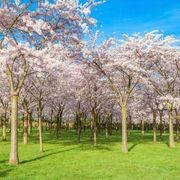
40	127
79	134
154	127
164	128
14	159
171	130
177	126
78	127
177	130
51	120
111	124
161	124
129	125
84	125
4	130
142	127
25	124
58	126
1	123
106	129
67	125
124	128
95	134
95	127
40	135
29	124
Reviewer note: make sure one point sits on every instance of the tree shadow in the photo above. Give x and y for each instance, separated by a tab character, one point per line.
3	161
132	147
5	172
46	155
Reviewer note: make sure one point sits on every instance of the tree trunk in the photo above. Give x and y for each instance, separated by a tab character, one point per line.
177	126
14	159
171	130
142	127
95	126
4	130
78	120
161	124
106	128
154	127
129	125
1	123
177	130
25	124
57	125
29	123
95	134
124	128
40	127
164	127
51	122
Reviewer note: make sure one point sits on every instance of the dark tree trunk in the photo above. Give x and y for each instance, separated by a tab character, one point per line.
161	123
154	127
177	126
29	123
78	122
59	121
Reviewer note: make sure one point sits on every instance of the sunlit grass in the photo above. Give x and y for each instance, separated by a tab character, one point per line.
65	159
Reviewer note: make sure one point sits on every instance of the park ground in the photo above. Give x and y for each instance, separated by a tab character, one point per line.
64	159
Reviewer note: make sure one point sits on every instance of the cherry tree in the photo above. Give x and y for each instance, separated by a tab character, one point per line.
121	66
24	31
4	105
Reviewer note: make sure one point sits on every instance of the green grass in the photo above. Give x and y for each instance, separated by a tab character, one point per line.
65	159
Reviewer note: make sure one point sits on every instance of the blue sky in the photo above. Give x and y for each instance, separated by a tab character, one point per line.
116	17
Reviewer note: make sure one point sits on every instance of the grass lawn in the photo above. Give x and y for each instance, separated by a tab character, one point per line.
65	159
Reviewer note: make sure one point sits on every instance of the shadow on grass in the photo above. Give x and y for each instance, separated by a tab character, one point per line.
3	161
133	146
69	138
46	155
4	172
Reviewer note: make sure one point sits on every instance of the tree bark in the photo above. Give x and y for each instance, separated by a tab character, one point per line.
3	124
142	127
14	159
95	127
40	127
78	120
161	123
25	124
171	130
154	127
59	123
177	126
106	128
95	134
29	123
4	130
124	128
58	126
